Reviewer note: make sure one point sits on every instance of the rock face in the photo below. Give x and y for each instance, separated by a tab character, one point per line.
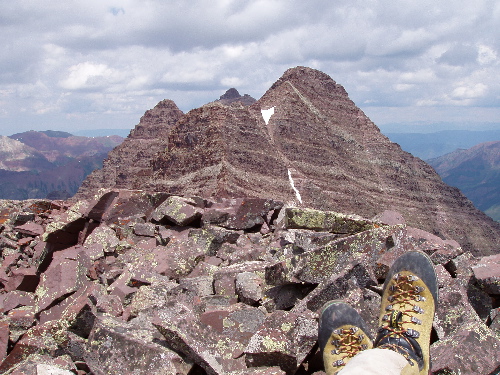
128	165
304	143
139	283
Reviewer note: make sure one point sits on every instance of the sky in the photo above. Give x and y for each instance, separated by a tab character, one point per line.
412	65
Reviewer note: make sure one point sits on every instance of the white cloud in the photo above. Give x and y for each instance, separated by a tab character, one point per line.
470	92
231	82
486	55
87	75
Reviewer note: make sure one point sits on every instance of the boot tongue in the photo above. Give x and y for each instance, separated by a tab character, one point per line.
395	319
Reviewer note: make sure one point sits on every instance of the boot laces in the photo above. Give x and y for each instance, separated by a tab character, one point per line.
348	344
401	311
403	299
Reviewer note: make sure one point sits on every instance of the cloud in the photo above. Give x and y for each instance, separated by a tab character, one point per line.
101	57
87	75
470	92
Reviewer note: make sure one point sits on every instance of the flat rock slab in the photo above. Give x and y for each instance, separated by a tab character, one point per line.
285	339
117	347
318	265
474	352
240	213
60	279
487	273
181	211
216	341
326	221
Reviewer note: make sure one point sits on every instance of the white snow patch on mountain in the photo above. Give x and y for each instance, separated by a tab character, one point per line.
267	113
297	194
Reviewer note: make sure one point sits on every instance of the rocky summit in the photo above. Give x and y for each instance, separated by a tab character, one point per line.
133	282
304	143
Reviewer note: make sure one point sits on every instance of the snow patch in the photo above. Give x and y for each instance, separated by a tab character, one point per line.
267	113
297	194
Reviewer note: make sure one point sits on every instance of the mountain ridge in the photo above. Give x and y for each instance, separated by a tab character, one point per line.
317	141
432	145
476	172
38	164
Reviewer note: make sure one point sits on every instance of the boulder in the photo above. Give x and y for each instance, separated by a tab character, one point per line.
240	213
248	286
178	210
61	279
116	347
285	340
326	221
487	273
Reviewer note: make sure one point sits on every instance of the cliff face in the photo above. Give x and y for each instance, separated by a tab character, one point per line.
305	143
128	165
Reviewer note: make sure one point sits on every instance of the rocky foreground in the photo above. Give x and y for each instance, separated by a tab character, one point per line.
149	283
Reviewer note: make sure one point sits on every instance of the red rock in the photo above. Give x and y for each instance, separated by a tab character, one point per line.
100	206
390	218
326	221
68	309
15	299
105	236
38	340
233	254
214	319
200	286
475	352
40	364
30	229
240	213
120	288
135	152
317	265
215	352
440	251
58	281
149	297
24	241
249	287
336	287
129	349
22	279
4	339
487	273
180	211
20	320
443	276
287	345
145	229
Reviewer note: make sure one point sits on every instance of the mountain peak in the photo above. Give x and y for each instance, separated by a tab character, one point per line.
232	96
232	93
306	143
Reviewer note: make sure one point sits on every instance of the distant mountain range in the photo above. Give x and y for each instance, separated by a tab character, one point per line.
49	164
476	172
432	145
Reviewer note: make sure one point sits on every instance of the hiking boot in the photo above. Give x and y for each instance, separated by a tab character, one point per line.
342	334
409	301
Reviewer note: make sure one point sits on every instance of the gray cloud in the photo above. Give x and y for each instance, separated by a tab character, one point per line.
86	61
